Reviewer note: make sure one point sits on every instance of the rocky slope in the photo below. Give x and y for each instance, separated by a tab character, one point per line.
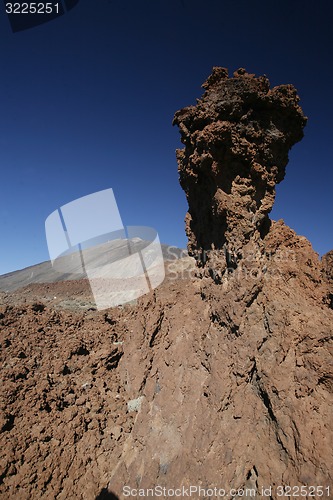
69	267
220	379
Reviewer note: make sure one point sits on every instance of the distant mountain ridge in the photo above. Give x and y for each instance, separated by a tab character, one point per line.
71	268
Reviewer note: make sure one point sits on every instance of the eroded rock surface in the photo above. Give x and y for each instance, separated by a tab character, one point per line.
237	139
327	262
218	379
237	379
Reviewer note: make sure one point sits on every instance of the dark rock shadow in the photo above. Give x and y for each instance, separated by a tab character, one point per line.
106	495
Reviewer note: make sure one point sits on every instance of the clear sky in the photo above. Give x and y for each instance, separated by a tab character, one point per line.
87	102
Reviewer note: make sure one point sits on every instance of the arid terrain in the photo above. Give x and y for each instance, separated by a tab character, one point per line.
222	376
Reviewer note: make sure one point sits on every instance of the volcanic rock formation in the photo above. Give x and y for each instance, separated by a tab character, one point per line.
235	373
217	382
236	140
327	262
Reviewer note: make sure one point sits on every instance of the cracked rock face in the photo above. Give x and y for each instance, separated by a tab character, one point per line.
327	262
236	139
223	383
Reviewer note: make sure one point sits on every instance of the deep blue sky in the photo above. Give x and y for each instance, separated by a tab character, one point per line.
87	101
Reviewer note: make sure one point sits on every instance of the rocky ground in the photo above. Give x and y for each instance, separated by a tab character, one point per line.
198	383
221	377
65	414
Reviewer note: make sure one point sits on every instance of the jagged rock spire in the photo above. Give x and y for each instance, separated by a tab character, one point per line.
237	139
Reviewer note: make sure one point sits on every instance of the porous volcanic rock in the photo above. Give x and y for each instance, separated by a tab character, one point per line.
327	261
217	381
235	373
236	139
236	380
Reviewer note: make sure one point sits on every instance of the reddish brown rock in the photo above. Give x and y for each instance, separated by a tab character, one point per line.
223	380
236	139
233	385
237	379
327	262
